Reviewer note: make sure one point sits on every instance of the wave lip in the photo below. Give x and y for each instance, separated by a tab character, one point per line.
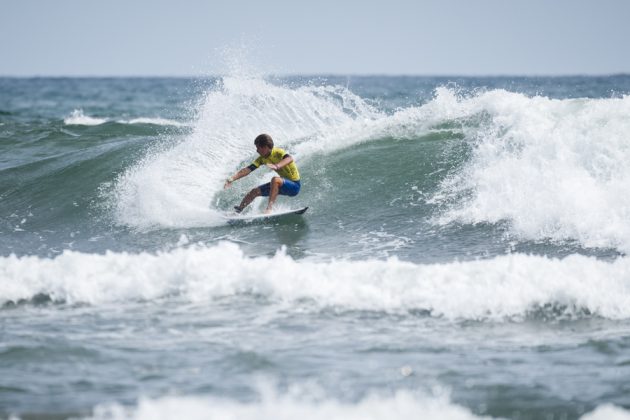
506	287
77	117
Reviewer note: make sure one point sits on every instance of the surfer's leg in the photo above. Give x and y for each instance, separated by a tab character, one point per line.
276	183
248	199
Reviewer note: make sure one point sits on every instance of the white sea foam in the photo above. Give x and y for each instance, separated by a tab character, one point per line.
154	121
552	168
177	187
303	403
402	405
77	117
503	287
607	412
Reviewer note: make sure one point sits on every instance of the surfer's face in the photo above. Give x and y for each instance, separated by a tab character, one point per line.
263	151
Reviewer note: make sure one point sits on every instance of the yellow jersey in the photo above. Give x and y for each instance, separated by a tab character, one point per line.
289	171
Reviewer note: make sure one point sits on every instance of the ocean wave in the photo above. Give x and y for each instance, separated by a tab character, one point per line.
78	117
154	121
308	402
401	405
178	187
554	169
506	287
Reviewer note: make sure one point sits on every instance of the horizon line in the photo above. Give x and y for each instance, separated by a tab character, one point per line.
314	75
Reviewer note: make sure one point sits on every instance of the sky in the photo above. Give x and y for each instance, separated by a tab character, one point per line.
391	37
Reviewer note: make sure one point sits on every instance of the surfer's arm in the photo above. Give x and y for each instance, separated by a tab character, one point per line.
240	174
284	162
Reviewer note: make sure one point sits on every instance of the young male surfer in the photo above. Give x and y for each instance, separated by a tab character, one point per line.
286	183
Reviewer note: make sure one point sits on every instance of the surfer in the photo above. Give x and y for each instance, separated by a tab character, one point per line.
286	183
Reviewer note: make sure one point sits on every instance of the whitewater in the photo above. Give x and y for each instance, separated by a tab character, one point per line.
464	254
502	288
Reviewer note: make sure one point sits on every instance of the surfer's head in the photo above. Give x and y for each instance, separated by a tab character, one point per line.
264	144
264	140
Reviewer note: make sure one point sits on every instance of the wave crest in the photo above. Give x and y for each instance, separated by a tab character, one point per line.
554	169
506	287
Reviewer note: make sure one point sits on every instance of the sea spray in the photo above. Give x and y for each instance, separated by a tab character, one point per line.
177	187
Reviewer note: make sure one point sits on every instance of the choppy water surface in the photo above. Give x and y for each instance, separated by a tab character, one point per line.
463	255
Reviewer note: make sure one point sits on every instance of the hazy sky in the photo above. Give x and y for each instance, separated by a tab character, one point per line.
425	37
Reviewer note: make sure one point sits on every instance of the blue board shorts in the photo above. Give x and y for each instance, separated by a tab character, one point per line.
290	188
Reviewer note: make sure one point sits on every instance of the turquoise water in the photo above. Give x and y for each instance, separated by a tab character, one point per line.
464	252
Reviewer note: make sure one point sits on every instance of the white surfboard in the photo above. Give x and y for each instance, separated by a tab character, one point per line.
246	218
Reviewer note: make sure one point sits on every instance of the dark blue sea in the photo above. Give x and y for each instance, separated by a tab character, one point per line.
464	254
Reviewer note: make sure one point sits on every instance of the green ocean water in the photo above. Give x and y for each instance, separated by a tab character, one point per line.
464	251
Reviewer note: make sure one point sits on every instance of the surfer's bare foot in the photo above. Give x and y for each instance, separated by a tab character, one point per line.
268	211
238	209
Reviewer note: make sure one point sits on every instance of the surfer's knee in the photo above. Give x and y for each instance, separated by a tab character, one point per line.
277	181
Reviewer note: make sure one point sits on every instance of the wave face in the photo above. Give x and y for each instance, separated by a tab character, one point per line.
175	188
533	168
552	169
